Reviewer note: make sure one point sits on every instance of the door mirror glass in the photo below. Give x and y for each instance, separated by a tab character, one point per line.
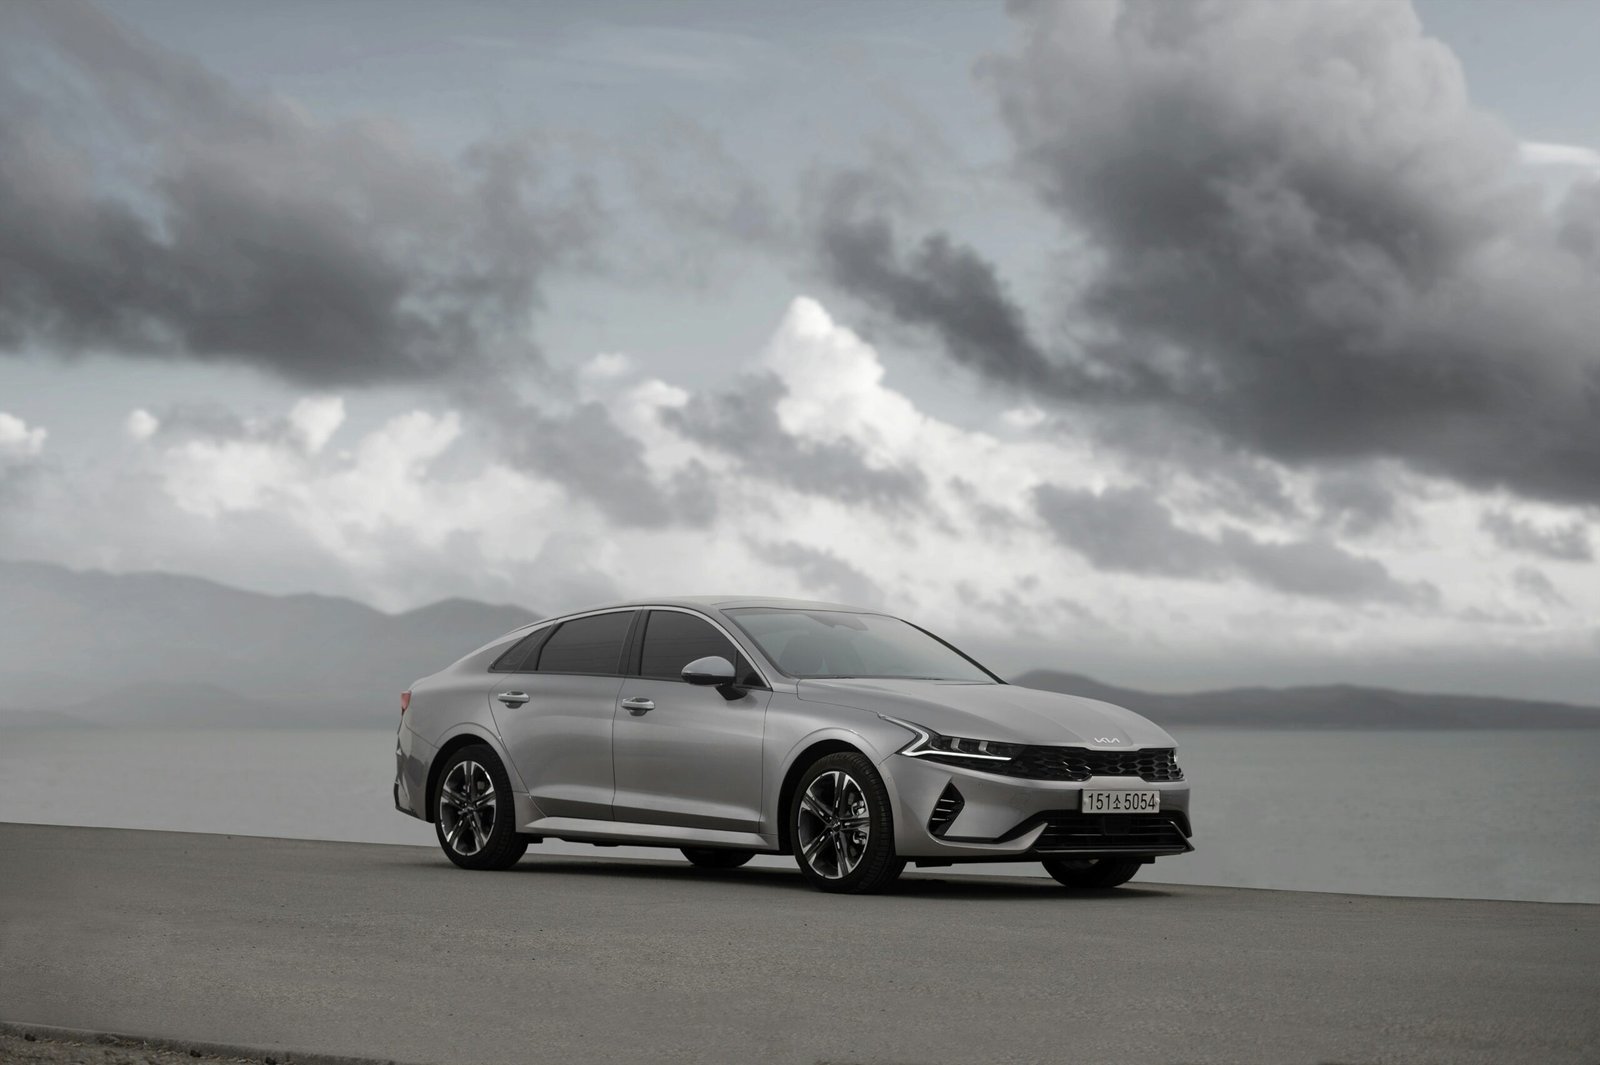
713	669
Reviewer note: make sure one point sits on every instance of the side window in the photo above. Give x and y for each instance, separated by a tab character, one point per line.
586	645
519	658
673	640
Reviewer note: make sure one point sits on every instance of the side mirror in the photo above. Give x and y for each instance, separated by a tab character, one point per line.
713	671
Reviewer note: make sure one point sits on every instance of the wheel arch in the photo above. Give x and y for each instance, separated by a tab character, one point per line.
467	736
801	761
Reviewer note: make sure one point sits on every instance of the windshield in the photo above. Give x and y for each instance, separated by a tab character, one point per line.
816	644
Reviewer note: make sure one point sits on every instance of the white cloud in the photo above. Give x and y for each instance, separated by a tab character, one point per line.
420	506
1024	417
315	419
17	441
608	366
1537	153
141	424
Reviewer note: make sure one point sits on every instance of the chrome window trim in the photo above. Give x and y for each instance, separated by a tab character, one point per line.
755	660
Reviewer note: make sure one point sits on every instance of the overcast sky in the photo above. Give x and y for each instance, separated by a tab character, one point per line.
1175	344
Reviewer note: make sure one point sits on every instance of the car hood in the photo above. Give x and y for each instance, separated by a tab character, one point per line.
993	712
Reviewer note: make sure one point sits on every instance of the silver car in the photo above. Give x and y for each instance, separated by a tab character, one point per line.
727	728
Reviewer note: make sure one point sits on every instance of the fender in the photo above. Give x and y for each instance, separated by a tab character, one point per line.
772	816
522	803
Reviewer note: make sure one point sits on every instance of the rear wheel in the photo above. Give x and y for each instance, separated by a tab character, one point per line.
475	824
717	857
841	826
1092	872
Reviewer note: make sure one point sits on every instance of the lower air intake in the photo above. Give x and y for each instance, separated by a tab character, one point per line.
1080	833
946	810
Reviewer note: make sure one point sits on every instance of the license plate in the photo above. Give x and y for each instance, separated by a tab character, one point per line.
1121	802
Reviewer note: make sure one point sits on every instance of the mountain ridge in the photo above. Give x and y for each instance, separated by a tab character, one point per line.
1321	706
173	650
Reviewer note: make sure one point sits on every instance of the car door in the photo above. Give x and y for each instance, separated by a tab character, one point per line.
554	711
684	755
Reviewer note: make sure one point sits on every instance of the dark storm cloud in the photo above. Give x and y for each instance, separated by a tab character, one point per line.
1290	227
1129	530
585	451
16	479
1356	503
938	284
210	420
1564	543
1534	584
743	422
149	208
1580	222
830	576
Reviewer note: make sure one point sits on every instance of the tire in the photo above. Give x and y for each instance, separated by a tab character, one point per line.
1089	873
475	824
841	827
717	857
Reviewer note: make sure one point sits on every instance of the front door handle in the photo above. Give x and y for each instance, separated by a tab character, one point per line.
638	705
513	698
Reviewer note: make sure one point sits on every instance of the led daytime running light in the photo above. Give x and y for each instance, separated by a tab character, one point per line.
930	744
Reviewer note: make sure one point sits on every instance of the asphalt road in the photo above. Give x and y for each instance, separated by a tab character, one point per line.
390	952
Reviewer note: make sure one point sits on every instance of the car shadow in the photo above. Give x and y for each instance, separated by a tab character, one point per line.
979	887
914	884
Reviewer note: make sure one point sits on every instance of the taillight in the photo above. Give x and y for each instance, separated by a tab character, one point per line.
405	702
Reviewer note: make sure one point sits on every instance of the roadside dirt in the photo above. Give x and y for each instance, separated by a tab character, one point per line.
30	1050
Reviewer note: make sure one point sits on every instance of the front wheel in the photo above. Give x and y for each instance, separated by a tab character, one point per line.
717	857
476	826
1092	872
841	827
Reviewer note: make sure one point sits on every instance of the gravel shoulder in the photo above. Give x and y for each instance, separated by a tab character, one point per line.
18	1048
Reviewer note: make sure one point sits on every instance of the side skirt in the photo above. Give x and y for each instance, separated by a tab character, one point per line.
582	830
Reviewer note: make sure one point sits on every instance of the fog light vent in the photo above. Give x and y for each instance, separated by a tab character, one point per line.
946	810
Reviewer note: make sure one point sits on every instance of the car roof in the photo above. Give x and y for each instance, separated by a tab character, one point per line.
695	602
731	602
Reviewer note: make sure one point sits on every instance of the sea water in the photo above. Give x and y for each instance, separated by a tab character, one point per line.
1469	814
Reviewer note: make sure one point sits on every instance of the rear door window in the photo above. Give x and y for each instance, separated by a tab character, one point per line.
587	645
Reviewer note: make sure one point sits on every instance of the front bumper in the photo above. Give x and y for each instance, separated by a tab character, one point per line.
1009	818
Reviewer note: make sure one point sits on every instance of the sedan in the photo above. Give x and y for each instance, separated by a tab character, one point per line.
726	728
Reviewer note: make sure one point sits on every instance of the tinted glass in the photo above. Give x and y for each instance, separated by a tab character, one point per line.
837	643
673	640
586	645
518	658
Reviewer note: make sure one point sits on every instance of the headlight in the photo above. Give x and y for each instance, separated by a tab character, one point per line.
954	750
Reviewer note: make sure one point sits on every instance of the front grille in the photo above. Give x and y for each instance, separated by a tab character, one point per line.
1156	764
946	810
1111	833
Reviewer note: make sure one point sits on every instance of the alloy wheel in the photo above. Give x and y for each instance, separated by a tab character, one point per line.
467	808
834	825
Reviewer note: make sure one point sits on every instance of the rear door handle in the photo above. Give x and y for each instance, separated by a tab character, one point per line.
638	705
513	698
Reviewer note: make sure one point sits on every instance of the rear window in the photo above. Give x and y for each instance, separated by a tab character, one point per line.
586	645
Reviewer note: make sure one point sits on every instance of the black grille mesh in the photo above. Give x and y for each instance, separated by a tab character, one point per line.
1156	765
1113	833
